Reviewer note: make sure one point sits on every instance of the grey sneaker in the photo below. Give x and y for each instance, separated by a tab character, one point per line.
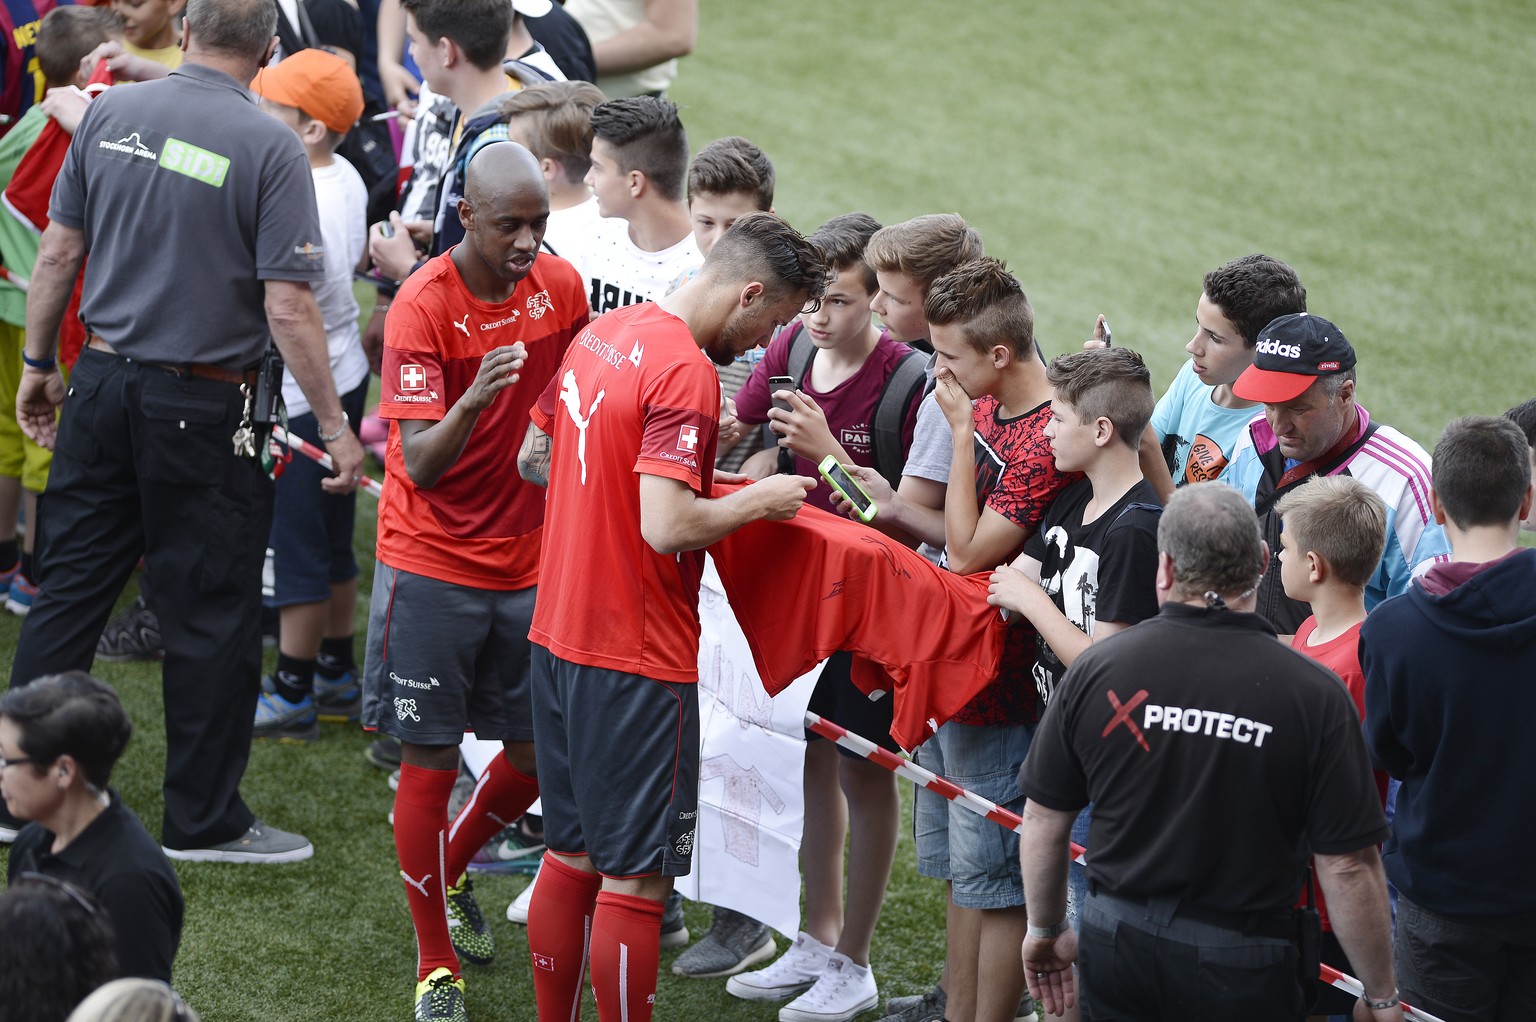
262	844
384	753
133	634
734	943
463	790
927	1007
674	929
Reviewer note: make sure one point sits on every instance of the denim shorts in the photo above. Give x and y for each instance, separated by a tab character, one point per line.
978	856
311	539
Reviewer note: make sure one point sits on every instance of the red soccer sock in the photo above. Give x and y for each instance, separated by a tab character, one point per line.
559	924
501	795
421	841
626	952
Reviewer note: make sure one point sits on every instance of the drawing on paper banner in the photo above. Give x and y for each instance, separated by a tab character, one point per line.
745	792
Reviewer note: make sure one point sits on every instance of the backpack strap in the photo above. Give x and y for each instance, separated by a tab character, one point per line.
801	353
902	387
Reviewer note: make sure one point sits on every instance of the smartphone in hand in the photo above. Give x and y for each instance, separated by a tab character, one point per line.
776	384
841	480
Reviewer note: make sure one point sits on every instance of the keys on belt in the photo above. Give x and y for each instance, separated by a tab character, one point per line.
245	437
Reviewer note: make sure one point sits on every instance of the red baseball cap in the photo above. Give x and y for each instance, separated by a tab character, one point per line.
1292	352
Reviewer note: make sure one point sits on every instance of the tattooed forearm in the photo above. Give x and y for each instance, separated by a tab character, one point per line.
533	456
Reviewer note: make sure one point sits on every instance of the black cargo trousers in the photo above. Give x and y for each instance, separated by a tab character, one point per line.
144	465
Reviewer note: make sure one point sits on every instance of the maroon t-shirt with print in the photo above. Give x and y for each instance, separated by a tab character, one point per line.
849	406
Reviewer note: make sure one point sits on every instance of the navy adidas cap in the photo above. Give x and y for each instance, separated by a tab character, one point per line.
1292	352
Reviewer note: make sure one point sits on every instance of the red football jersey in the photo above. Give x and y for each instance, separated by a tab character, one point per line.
479	526
805	588
635	396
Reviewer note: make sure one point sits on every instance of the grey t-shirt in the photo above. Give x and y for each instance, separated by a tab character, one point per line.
929	455
189	197
932	443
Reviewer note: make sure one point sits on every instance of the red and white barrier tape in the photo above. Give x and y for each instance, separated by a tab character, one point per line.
927	778
319	457
16	280
1351	985
1003	818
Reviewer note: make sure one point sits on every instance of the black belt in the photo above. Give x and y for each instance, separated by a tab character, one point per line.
197	370
1277	925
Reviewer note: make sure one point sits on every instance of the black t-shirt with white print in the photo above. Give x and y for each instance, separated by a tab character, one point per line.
1103	570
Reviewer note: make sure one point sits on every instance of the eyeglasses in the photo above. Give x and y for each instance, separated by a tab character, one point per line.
16	761
75	894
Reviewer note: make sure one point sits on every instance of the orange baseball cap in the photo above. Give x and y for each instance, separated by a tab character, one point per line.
319	83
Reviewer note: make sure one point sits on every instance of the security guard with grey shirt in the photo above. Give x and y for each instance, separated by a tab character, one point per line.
198	213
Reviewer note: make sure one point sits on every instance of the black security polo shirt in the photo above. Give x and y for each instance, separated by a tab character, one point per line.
116	860
1216	758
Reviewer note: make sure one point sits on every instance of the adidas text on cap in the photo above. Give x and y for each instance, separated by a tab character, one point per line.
1292	352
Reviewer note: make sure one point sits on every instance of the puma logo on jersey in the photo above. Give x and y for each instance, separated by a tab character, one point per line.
570	396
463	325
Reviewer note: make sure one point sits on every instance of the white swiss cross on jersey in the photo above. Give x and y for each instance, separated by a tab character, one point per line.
412	377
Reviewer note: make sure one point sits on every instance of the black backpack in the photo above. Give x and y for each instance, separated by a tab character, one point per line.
903	386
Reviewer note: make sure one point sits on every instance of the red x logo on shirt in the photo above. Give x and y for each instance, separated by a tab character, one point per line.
1123	716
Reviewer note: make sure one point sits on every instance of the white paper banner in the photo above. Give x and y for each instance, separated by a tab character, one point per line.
746	855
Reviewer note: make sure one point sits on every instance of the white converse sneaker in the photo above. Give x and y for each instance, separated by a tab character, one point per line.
793	972
843	990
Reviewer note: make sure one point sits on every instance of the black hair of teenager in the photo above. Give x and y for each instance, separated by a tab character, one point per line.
1524	416
843	240
1254	290
56	946
480	28
70	714
1481	470
649	137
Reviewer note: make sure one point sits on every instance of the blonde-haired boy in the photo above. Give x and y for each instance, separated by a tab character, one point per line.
1332	534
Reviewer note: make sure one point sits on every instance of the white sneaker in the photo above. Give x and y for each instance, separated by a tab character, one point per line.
843	990
793	972
517	912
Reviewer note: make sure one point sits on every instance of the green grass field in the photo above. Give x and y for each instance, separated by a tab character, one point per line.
1112	153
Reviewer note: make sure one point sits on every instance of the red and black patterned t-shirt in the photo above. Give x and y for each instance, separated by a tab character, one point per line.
1016	476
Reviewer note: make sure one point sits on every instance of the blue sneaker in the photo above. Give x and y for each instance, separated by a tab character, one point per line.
339	700
277	718
7	575
19	595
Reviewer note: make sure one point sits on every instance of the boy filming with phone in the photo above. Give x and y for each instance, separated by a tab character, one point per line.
829	416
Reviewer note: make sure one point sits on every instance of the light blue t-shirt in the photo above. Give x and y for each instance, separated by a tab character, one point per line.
1197	434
